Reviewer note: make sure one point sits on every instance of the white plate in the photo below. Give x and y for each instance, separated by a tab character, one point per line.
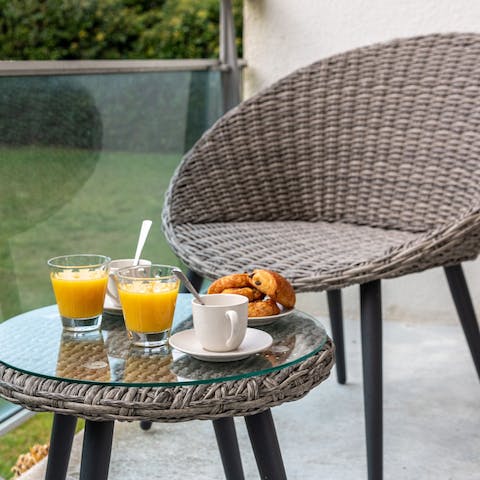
110	308
255	341
258	321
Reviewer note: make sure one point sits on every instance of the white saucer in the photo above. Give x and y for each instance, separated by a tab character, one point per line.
258	321
110	308
255	341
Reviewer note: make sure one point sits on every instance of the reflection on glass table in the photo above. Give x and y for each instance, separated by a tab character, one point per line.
83	356
35	343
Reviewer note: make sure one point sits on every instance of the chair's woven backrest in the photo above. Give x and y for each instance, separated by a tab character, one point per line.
387	135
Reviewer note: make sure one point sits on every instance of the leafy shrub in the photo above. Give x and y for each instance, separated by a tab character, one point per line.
186	29
111	29
46	111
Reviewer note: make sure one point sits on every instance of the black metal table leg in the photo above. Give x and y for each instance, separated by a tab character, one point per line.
61	438
263	438
371	325
334	298
463	303
97	447
228	447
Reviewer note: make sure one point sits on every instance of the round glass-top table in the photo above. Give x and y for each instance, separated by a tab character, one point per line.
101	377
35	344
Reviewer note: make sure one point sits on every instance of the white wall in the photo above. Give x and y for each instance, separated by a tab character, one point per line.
282	35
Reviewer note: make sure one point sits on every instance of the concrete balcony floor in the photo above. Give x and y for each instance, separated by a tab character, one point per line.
431	420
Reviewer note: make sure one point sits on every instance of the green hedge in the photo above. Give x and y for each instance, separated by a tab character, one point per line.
48	111
111	29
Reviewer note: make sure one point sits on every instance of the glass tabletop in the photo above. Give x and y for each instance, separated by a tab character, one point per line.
35	343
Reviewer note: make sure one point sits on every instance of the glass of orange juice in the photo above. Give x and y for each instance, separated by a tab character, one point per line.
148	294
79	283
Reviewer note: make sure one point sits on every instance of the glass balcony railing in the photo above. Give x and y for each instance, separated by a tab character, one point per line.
85	157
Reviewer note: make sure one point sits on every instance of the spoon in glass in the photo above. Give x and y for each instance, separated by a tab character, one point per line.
145	228
183	278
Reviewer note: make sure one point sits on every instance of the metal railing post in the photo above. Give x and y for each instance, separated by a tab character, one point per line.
231	86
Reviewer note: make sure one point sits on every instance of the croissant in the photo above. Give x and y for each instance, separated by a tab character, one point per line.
263	308
275	286
250	292
235	280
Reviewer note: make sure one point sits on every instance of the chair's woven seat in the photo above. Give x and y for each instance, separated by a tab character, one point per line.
358	167
314	255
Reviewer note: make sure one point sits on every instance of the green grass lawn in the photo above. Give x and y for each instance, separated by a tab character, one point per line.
34	430
55	202
66	208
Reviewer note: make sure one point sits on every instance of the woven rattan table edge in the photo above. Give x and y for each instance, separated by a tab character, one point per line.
242	397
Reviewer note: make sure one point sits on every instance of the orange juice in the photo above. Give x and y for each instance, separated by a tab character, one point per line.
79	294
148	307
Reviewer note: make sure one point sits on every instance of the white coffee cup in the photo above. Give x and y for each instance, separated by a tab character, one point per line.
221	324
115	266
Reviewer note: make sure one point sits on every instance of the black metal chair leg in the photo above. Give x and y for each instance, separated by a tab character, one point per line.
463	303
263	438
371	325
228	447
195	279
334	298
97	447
145	425
63	431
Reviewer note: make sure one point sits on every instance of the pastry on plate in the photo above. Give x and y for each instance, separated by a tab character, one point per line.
255	286
263	308
250	292
275	286
235	280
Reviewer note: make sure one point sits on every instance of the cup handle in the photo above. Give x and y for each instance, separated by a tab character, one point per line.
235	327
112	295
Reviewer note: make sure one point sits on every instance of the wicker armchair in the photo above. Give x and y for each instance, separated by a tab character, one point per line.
359	167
